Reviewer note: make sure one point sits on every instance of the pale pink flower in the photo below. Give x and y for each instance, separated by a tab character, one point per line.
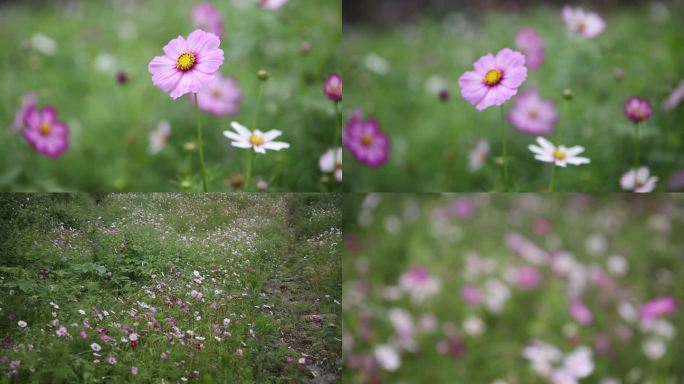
27	102
134	371
533	115
581	23
208	18
674	98
220	97
658	307
532	46
580	312
639	181
272	5
478	155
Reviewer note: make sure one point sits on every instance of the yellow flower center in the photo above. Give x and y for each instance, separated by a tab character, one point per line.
558	154
185	61
256	140
216	92
367	139
493	77
45	129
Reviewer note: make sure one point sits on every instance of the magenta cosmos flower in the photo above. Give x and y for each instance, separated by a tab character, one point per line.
581	23
638	109
365	141
532	115
220	97
27	102
333	87
44	132
532	46
495	79
208	18
187	65
658	307
272	5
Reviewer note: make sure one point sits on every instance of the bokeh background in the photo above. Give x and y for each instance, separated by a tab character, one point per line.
69	52
400	54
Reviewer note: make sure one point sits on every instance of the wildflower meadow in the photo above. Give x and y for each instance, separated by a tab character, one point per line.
514	96
508	289
126	95
150	288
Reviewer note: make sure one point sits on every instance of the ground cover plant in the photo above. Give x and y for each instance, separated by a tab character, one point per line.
500	288
210	288
142	95
516	96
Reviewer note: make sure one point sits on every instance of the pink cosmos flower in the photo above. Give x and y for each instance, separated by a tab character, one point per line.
134	371
419	283
332	87
495	79
532	46
44	132
27	102
331	161
272	5
580	312
220	97
532	115
674	98
463	208
365	141
658	307
208	18
471	295
112	360
638	109
639	181
262	185
133	336
187	65
541	226
528	277
581	23
61	331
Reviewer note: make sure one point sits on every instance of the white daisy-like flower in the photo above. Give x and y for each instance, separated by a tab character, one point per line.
256	140
95	347
559	155
640	181
331	161
22	324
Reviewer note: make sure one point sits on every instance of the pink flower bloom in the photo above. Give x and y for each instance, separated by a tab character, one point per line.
331	161
44	132
22	324
187	65
676	181
528	277
272	5
638	109
419	283
333	87
262	185
27	102
674	98
134	371
61	331
532	46
105	338
532	115
471	295
221	97
112	360
84	334
495	79
208	18
463	208
365	141
580	312
639	181
541	226
133	336
581	23
658	307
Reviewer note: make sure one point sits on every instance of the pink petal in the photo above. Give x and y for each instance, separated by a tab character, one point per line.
507	58
513	78
200	41
210	62
167	80
159	64
48	115
175	48
484	64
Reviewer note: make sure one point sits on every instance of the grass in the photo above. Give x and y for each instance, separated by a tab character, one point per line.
269	264
431	139
110	123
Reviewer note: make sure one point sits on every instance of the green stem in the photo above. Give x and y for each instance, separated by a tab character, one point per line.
250	165
636	146
338	127
200	145
553	177
504	155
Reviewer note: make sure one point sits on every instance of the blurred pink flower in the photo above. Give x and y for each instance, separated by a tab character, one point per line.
471	295
27	102
208	18
532	46
419	283
528	277
581	23
220	97
478	155
676	181
532	115
366	142
272	5
658	307
639	181
462	208
44	132
332	87
674	98
541	226
134	371
494	80
112	360
61	331
580	312
638	109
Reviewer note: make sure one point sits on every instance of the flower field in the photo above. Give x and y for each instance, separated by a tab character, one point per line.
508	289
171	288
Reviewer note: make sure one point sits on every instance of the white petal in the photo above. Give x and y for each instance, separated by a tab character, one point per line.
276	145
241	144
241	129
272	134
233	136
546	144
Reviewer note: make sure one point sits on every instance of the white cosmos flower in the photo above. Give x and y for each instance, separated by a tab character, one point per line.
387	357
579	362
640	181
331	161
257	140
560	155
95	347
22	324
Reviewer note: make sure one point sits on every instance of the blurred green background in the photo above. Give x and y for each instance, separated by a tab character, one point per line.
110	123
396	70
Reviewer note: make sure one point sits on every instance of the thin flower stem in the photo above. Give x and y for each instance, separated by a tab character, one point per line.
200	145
504	155
250	165
338	127
553	177
636	146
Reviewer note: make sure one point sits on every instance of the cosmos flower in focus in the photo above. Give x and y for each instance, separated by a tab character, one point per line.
272	5
220	97
638	109
44	132
531	45
581	23
639	181
159	136
206	17
259	141
331	161
532	115
365	141
560	156
495	79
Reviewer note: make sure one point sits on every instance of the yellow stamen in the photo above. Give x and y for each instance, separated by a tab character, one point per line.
185	61
45	129
367	139
558	154
493	77
256	140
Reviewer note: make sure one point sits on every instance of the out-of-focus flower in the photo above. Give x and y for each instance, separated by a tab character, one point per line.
365	141
44	132
95	347
471	295
262	185
22	324
404	328
532	46
542	356
617	265
654	348
532	115
676	181
272	5
496	294
220	97
580	312
387	357
478	155
377	64
676	97
256	140
494	80
419	284
473	325
27	102
639	181
558	155
122	77
111	360
159	136
527	277
331	161
638	109
658	307
61	331
332	87
43	44
134	371
581	23
541	226
208	18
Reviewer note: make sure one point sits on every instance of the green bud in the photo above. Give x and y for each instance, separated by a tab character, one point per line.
263	75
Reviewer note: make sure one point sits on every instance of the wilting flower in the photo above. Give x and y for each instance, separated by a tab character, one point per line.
272	5
95	347
187	65
658	307
365	141
22	324
419	283
220	97
638	109
333	87
44	132
495	79
532	46
676	97
159	136
208	18
580	312
560	156
257	140
27	102
331	161
532	115
478	155
584	24
639	180
387	357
